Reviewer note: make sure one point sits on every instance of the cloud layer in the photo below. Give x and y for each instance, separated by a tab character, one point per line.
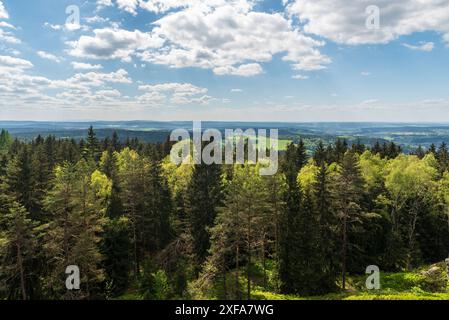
345	21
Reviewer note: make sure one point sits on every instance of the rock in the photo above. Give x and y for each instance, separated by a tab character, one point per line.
432	272
435	278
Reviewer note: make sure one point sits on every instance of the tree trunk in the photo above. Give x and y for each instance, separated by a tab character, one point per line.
345	217
264	266
22	274
225	288
248	289
237	273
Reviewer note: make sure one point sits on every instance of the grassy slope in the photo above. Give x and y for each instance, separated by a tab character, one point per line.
394	286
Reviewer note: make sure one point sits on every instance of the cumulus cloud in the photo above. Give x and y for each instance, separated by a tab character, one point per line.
3	13
232	40
96	79
12	62
86	66
104	3
423	46
129	6
162	6
48	56
96	19
225	36
67	27
244	70
8	37
109	43
4	24
345	21
300	77
174	93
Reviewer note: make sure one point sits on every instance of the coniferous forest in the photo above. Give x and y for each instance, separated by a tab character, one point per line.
140	227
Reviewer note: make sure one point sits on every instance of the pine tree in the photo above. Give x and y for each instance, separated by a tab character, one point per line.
327	222
92	150
442	156
376	149
146	202
115	248
18	179
203	199
18	247
294	160
320	154
5	141
348	190
77	202
115	142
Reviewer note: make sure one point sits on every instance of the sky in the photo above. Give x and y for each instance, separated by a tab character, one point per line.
229	60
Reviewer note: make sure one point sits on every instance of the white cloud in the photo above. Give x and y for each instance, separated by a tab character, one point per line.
244	70
162	6
4	24
232	39
174	93
111	43
11	62
96	19
236	90
3	13
67	27
365	73
48	56
104	3
423	46
300	77
345	21
225	36
96	79
129	6
86	66
53	26
8	37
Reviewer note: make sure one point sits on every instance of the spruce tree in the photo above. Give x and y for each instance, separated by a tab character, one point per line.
203	199
18	247
293	161
77	202
348	190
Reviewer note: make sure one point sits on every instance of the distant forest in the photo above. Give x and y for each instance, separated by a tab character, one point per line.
135	222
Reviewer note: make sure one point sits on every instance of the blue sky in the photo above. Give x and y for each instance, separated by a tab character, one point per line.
283	60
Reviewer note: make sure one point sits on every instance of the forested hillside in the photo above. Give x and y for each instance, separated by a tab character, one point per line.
140	226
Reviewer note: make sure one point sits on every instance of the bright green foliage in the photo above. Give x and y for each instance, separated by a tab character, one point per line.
77	203
139	226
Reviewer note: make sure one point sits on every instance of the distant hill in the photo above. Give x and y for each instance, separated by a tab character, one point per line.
408	135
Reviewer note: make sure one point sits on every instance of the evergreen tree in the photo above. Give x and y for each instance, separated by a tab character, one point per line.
294	160
203	199
348	191
77	202
18	247
92	150
442	157
5	141
115	248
